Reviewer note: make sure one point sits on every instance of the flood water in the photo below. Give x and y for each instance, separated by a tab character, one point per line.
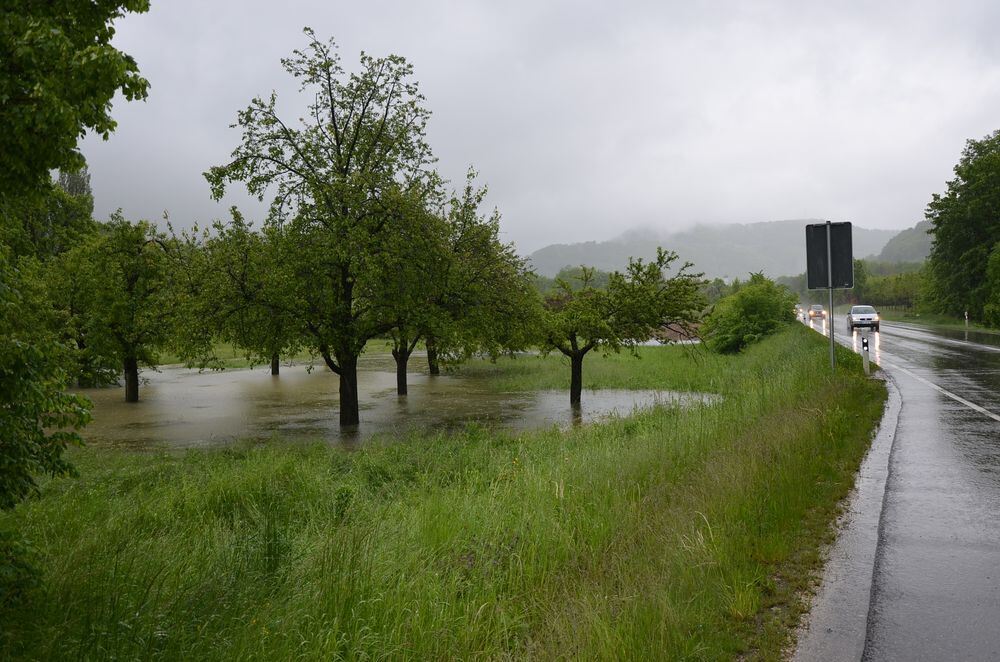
181	408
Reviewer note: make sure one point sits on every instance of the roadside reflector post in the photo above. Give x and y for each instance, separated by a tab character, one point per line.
967	319
864	351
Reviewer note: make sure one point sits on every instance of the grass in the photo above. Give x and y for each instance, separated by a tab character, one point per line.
232	357
934	320
668	534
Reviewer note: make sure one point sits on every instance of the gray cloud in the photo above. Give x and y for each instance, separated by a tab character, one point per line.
585	119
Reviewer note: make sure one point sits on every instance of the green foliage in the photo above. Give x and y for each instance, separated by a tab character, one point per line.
991	311
52	221
38	420
966	228
634	307
344	182
120	299
58	76
758	309
482	292
19	573
574	277
911	245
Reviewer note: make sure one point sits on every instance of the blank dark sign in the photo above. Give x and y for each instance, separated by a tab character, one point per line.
841	253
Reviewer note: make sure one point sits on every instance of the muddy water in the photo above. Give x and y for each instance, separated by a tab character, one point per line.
183	408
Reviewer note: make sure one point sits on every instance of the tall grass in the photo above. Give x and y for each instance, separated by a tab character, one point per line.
668	534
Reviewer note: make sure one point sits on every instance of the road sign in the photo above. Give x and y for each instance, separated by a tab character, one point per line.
829	265
840	256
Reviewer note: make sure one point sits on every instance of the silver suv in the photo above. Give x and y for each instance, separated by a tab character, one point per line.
862	316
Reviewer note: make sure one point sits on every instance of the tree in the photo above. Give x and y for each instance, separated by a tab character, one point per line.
50	222
481	299
635	306
130	301
757	309
243	293
336	179
58	75
966	227
38	419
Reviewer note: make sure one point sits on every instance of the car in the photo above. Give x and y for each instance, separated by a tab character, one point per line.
816	312
863	316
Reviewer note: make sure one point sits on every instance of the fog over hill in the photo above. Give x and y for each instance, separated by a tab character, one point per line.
778	248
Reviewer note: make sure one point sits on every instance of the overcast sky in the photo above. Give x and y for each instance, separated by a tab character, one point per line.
587	119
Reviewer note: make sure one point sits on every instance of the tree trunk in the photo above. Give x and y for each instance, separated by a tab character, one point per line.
432	356
401	356
576	379
275	365
349	412
131	379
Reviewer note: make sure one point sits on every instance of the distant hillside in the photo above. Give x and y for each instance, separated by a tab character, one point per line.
910	245
777	248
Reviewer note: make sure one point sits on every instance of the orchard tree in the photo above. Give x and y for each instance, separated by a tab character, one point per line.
244	294
130	301
966	229
485	290
468	292
336	177
635	306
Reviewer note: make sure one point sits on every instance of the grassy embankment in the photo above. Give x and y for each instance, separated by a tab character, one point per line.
669	534
934	320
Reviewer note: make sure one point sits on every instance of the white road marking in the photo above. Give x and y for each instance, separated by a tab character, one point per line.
956	398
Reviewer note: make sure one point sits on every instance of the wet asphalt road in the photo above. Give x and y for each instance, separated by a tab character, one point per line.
936	582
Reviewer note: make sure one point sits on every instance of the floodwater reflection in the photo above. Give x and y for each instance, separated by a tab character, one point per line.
183	408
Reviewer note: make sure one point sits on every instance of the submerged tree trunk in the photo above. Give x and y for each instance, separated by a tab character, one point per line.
349	411
576	378
432	356
401	356
275	365
131	379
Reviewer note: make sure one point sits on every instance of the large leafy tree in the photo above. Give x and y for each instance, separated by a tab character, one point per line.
337	178
58	74
966	229
647	298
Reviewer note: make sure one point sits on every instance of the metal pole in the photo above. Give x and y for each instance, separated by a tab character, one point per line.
829	283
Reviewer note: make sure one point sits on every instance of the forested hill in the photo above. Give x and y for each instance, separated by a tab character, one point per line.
910	245
734	250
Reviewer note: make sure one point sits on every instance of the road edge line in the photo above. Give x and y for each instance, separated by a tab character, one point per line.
836	625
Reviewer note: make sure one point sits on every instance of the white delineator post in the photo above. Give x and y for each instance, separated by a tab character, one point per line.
864	351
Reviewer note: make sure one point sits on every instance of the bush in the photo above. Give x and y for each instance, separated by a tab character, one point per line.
757	309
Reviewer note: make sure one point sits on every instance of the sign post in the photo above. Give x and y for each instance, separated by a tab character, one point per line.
829	265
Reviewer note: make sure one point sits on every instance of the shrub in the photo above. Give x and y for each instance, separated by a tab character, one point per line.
757	309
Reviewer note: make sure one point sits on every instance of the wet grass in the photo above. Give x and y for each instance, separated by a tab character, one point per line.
674	367
668	534
935	320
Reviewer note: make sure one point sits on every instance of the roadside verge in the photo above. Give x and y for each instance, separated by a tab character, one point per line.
835	627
